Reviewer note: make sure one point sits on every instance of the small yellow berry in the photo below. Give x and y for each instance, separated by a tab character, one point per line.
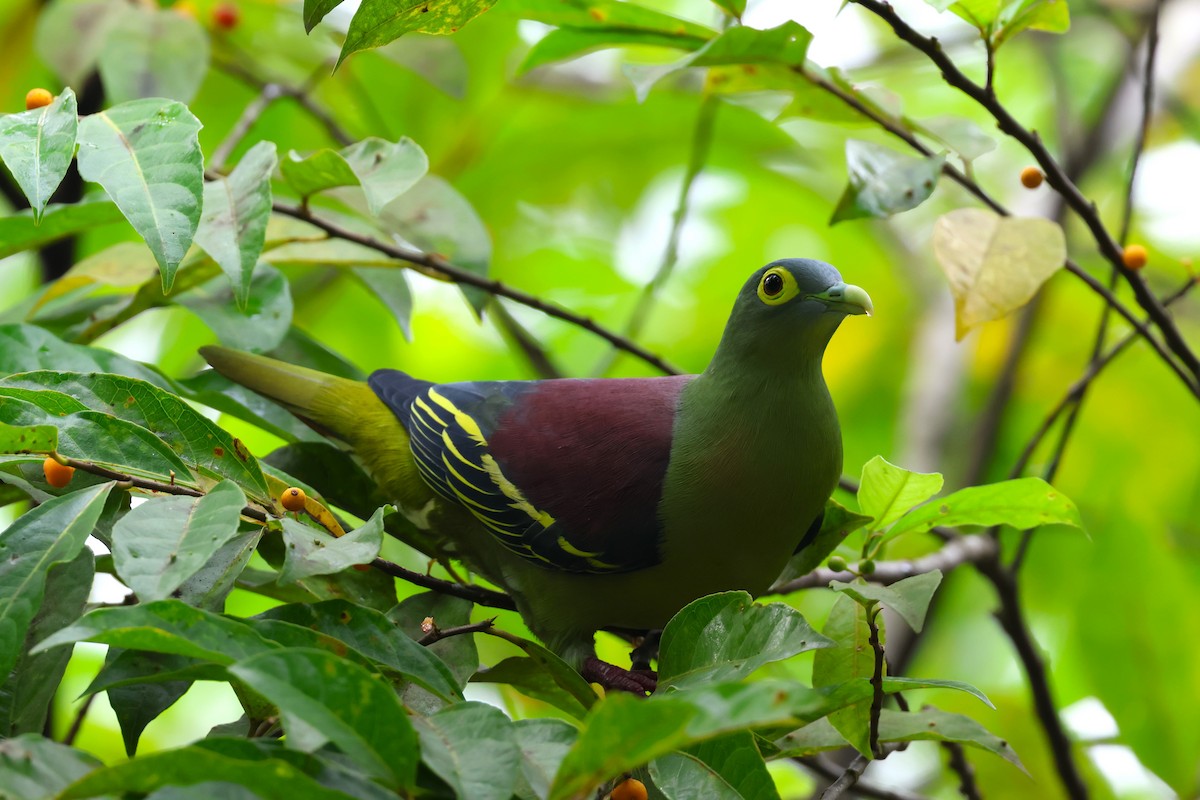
1134	256
293	499
185	8
629	789
57	475
36	98
1031	177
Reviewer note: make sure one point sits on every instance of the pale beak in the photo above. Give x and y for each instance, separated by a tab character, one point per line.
846	298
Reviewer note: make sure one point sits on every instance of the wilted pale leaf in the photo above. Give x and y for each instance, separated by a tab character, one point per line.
994	264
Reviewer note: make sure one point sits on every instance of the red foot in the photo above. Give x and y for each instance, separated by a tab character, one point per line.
640	682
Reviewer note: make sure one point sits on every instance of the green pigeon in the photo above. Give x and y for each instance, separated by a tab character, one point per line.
608	502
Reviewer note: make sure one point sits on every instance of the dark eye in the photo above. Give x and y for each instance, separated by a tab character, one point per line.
772	284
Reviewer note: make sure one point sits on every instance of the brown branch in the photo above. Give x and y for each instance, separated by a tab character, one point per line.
1055	176
822	767
77	722
476	594
441	269
847	779
873	612
967	786
250	115
437	634
299	94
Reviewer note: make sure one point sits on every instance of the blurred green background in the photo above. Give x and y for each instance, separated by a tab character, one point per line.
576	182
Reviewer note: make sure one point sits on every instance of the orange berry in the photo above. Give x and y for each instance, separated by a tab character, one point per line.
226	16
629	789
57	475
1031	177
293	499
1134	256
36	98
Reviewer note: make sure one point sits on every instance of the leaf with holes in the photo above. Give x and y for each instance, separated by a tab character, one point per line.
378	22
884	182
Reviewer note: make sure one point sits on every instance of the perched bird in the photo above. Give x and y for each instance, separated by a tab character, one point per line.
608	502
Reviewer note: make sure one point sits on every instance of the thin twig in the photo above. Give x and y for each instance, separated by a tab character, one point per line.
876	681
476	594
300	94
437	634
1055	176
77	722
439	268
847	779
967	786
822	767
958	551
250	115
701	145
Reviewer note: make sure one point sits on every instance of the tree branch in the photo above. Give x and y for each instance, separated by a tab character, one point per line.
847	779
436	634
467	591
821	767
1055	175
873	612
967	786
439	268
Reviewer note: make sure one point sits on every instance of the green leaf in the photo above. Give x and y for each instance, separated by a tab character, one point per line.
612	15
994	264
26	697
624	732
166	540
28	438
314	552
960	134
887	491
50	534
138	704
98	437
785	45
259	326
378	22
814	737
233	226
152	52
390	285
532	680
544	743
837	523
33	767
70	34
473	748
884	182
197	764
728	768
436	218
218	392
1052	16
1022	503
383	169
146	155
566	677
315	11
165	626
735	8
942	726
27	348
898	684
851	658
196	439
20	231
909	597
37	147
725	637
562	44
376	637
354	709
209	790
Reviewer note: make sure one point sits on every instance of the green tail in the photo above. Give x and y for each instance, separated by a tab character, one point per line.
343	409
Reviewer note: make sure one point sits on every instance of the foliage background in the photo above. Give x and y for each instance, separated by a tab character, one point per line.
575	182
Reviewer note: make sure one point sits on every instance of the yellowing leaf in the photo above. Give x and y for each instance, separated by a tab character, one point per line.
994	264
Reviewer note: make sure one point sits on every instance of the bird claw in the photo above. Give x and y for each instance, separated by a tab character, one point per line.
640	682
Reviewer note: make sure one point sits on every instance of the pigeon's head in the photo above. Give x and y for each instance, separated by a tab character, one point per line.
790	308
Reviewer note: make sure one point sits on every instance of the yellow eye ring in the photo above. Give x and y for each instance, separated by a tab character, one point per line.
777	286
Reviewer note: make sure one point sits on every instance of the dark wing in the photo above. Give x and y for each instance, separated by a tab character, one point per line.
565	473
